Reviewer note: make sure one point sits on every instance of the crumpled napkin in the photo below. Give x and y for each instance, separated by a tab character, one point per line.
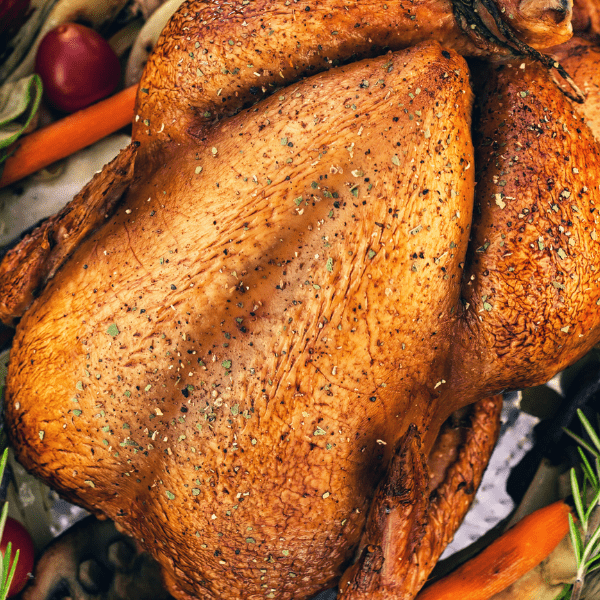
19	102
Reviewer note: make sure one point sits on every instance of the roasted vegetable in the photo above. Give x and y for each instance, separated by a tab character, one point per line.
77	67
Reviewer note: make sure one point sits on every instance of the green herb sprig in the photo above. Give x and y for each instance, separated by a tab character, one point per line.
7	568
585	537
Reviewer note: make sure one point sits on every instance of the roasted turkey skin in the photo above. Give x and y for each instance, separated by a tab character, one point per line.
213	58
224	368
247	365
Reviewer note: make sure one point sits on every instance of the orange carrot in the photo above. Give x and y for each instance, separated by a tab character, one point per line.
74	132
506	559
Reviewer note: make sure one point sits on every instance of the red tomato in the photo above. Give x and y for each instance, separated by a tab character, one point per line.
20	540
77	67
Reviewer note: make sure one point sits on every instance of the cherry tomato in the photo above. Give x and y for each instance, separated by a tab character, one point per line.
77	67
20	540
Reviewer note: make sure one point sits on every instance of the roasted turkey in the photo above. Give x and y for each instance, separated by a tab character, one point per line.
268	340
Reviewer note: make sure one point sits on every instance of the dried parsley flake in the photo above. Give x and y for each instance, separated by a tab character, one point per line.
113	330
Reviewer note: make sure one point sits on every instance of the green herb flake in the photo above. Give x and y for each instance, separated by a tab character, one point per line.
170	495
195	492
235	410
79	386
319	431
41	434
283	141
250	540
113	330
90	483
77	412
226	364
371	253
329	265
395	160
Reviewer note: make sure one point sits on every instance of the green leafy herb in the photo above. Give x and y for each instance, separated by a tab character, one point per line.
585	536
19	102
7	568
113	330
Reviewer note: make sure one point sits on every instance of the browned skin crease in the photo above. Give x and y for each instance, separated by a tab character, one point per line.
407	529
394	528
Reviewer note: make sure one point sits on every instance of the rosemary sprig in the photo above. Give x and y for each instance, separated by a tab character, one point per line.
585	537
7	568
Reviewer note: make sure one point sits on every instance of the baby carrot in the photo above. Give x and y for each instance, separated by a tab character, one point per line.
506	559
64	137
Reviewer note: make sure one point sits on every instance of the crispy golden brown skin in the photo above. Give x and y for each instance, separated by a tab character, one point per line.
247	354
531	278
581	57
35	260
586	16
212	58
